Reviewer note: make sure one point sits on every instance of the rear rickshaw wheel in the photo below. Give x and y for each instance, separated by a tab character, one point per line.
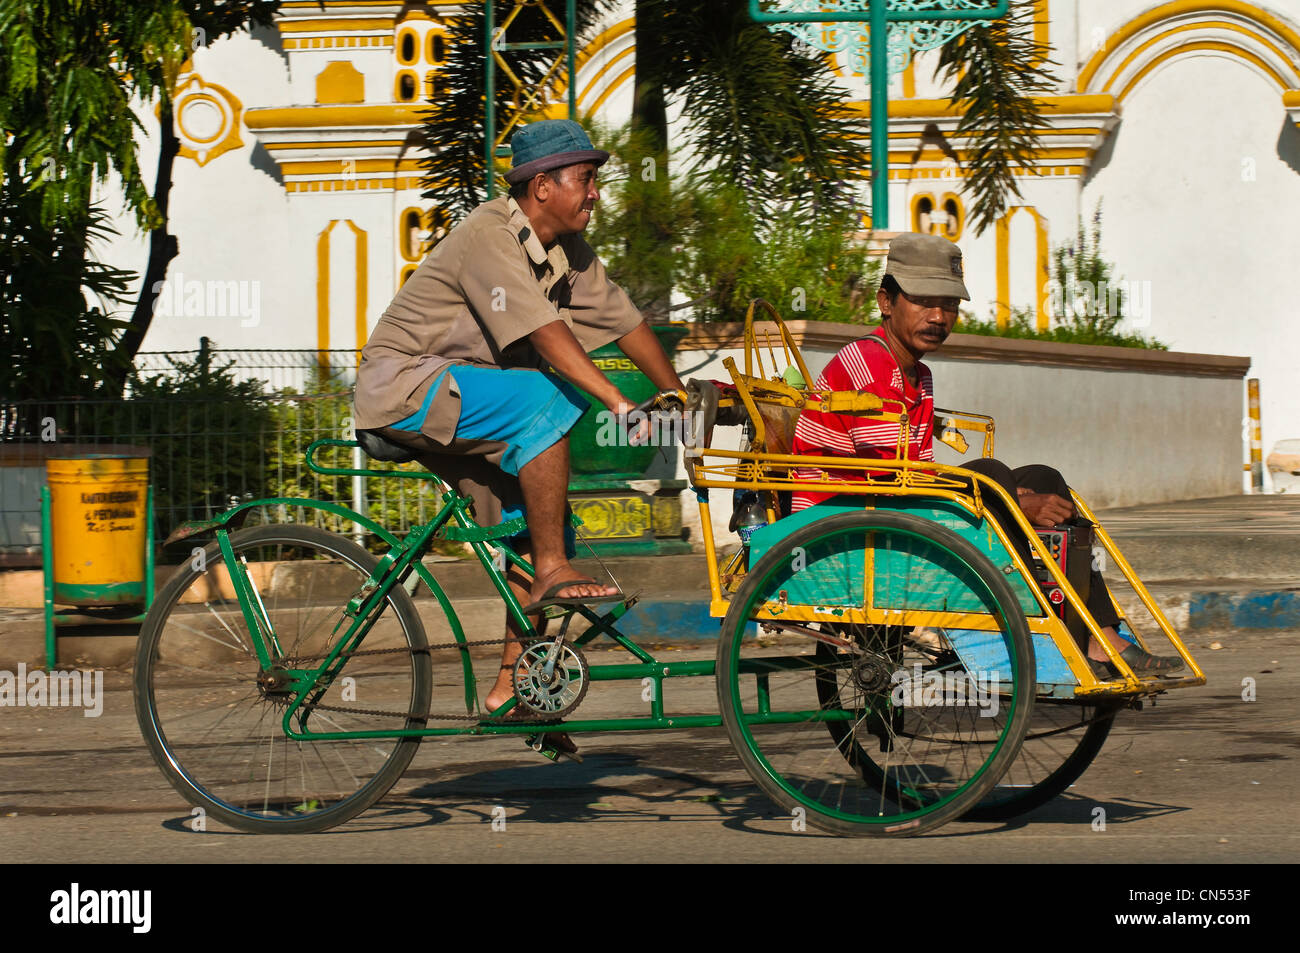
834	732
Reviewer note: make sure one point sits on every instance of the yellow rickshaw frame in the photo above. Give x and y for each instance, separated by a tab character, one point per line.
767	472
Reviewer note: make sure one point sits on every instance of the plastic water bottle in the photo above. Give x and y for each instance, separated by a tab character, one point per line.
748	514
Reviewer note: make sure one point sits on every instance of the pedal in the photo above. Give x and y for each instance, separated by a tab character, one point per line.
550	751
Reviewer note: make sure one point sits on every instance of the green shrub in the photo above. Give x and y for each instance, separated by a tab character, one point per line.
1024	324
817	273
1089	300
207	432
323	410
720	249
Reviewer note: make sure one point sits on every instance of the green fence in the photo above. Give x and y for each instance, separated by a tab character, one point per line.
222	427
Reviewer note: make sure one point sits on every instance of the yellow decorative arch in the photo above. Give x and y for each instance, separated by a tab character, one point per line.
323	289
598	45
406	86
953	231
922	203
1042	266
1229	27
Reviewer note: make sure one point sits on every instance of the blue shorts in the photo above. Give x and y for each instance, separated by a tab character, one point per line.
507	418
528	411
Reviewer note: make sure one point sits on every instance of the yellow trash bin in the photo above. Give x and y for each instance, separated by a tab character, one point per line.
99	524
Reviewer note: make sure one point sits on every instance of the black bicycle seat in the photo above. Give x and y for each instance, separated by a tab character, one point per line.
379	447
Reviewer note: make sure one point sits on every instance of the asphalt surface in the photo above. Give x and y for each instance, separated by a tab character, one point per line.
1202	777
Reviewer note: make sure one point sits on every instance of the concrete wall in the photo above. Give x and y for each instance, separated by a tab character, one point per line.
1125	426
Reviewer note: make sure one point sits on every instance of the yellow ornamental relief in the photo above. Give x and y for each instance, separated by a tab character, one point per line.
614	364
207	119
613	517
629	517
666	514
340	82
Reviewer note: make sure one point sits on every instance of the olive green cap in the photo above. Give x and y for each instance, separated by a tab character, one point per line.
926	265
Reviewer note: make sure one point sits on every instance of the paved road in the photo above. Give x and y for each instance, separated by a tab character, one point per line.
1202	777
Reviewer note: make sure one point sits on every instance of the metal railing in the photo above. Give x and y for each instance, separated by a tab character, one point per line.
296	370
209	449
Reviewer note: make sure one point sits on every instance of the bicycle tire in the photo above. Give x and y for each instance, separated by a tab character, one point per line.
1047	765
218	737
810	763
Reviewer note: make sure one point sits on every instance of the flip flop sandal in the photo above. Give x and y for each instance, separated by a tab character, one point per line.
1143	663
549	598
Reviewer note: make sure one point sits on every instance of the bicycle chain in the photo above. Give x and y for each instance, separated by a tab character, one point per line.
291	661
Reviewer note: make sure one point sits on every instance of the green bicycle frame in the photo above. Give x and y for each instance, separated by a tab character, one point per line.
403	558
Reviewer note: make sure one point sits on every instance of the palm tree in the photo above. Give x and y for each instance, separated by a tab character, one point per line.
998	69
759	112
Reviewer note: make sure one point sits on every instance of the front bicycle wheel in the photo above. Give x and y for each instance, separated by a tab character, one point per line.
213	718
861	727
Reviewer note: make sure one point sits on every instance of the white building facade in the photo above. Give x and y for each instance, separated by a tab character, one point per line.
297	204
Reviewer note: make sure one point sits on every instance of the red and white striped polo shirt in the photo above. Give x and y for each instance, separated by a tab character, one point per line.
864	365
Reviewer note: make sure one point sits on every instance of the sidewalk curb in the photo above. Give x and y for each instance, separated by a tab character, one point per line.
1259	609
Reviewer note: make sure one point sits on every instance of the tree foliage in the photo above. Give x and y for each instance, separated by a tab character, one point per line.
820	274
69	72
72	74
997	70
758	112
721	252
52	341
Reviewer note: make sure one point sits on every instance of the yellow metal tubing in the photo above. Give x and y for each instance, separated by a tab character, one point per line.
751	470
710	554
751	343
1141	590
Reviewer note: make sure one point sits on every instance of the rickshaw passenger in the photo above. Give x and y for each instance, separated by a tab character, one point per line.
918	299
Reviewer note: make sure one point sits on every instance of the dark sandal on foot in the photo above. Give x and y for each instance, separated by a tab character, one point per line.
1103	670
549	598
1144	663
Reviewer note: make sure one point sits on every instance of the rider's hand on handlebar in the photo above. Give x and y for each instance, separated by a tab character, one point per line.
640	419
638	429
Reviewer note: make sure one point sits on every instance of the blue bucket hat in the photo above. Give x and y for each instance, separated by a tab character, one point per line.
550	144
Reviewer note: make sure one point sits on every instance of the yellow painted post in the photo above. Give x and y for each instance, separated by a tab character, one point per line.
1003	267
1256	438
1042	268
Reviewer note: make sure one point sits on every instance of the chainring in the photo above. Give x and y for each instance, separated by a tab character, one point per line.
554	692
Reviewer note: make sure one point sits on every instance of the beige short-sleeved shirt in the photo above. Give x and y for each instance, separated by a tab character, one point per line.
474	300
